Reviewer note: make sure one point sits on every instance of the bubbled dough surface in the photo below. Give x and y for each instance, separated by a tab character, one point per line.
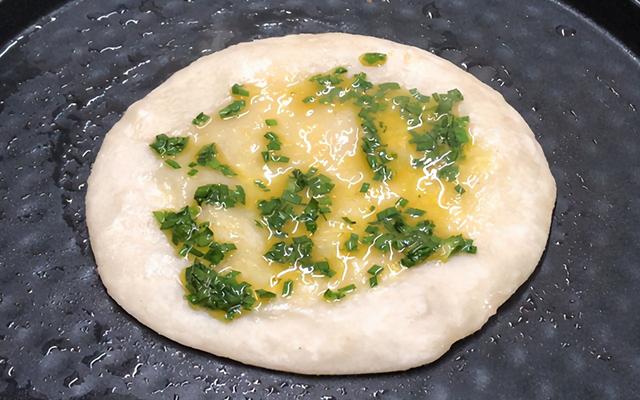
403	323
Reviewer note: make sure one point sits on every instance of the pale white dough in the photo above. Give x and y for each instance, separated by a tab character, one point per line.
407	322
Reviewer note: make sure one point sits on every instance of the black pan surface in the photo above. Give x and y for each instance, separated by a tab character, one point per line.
571	332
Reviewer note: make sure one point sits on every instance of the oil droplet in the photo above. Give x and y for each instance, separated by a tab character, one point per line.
565	31
431	11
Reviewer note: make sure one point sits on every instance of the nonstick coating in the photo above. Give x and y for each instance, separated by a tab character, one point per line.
572	331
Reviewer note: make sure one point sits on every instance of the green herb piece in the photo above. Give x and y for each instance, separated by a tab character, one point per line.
265	294
457	244
269	156
212	290
443	144
402	202
208	157
259	183
191	237
365	187
273	144
278	211
449	172
192	172
390	232
273	141
309	99
374	271
169	146
292	253
287	288
358	92
309	215
298	253
322	268
201	120
348	220
232	109
352	243
275	214
339	294
219	195
411	110
271	122
418	96
373	59
383	88
447	101
459	189
239	90
173	164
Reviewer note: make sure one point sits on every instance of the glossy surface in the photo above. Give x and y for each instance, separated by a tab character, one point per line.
570	333
327	137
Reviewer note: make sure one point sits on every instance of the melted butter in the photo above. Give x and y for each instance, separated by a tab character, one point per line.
328	138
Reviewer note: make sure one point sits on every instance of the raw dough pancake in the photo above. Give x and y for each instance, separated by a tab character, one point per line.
404	322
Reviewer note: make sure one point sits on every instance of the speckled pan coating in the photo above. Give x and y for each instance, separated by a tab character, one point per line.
571	332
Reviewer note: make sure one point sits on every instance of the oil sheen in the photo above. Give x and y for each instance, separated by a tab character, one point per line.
327	137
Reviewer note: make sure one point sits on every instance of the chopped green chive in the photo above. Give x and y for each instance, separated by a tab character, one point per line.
339	294
173	164
215	291
192	237
278	211
322	268
208	157
352	243
373	59
261	185
348	220
219	195
169	146
365	187
271	122
232	109
273	144
201	120
239	90
449	172
418	96
390	232
402	202
308	99
287	288
192	172
460	189
374	271
265	294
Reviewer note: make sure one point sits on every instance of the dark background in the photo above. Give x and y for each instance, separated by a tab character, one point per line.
571	332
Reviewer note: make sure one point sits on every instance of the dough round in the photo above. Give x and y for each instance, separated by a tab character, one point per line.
408	322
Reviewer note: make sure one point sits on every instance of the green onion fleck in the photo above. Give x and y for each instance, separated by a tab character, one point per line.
173	164
373	59
287	288
201	120
239	90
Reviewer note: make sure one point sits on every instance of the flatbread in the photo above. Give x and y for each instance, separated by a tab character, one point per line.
403	323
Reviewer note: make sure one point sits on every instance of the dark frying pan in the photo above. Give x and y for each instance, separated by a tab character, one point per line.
572	331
